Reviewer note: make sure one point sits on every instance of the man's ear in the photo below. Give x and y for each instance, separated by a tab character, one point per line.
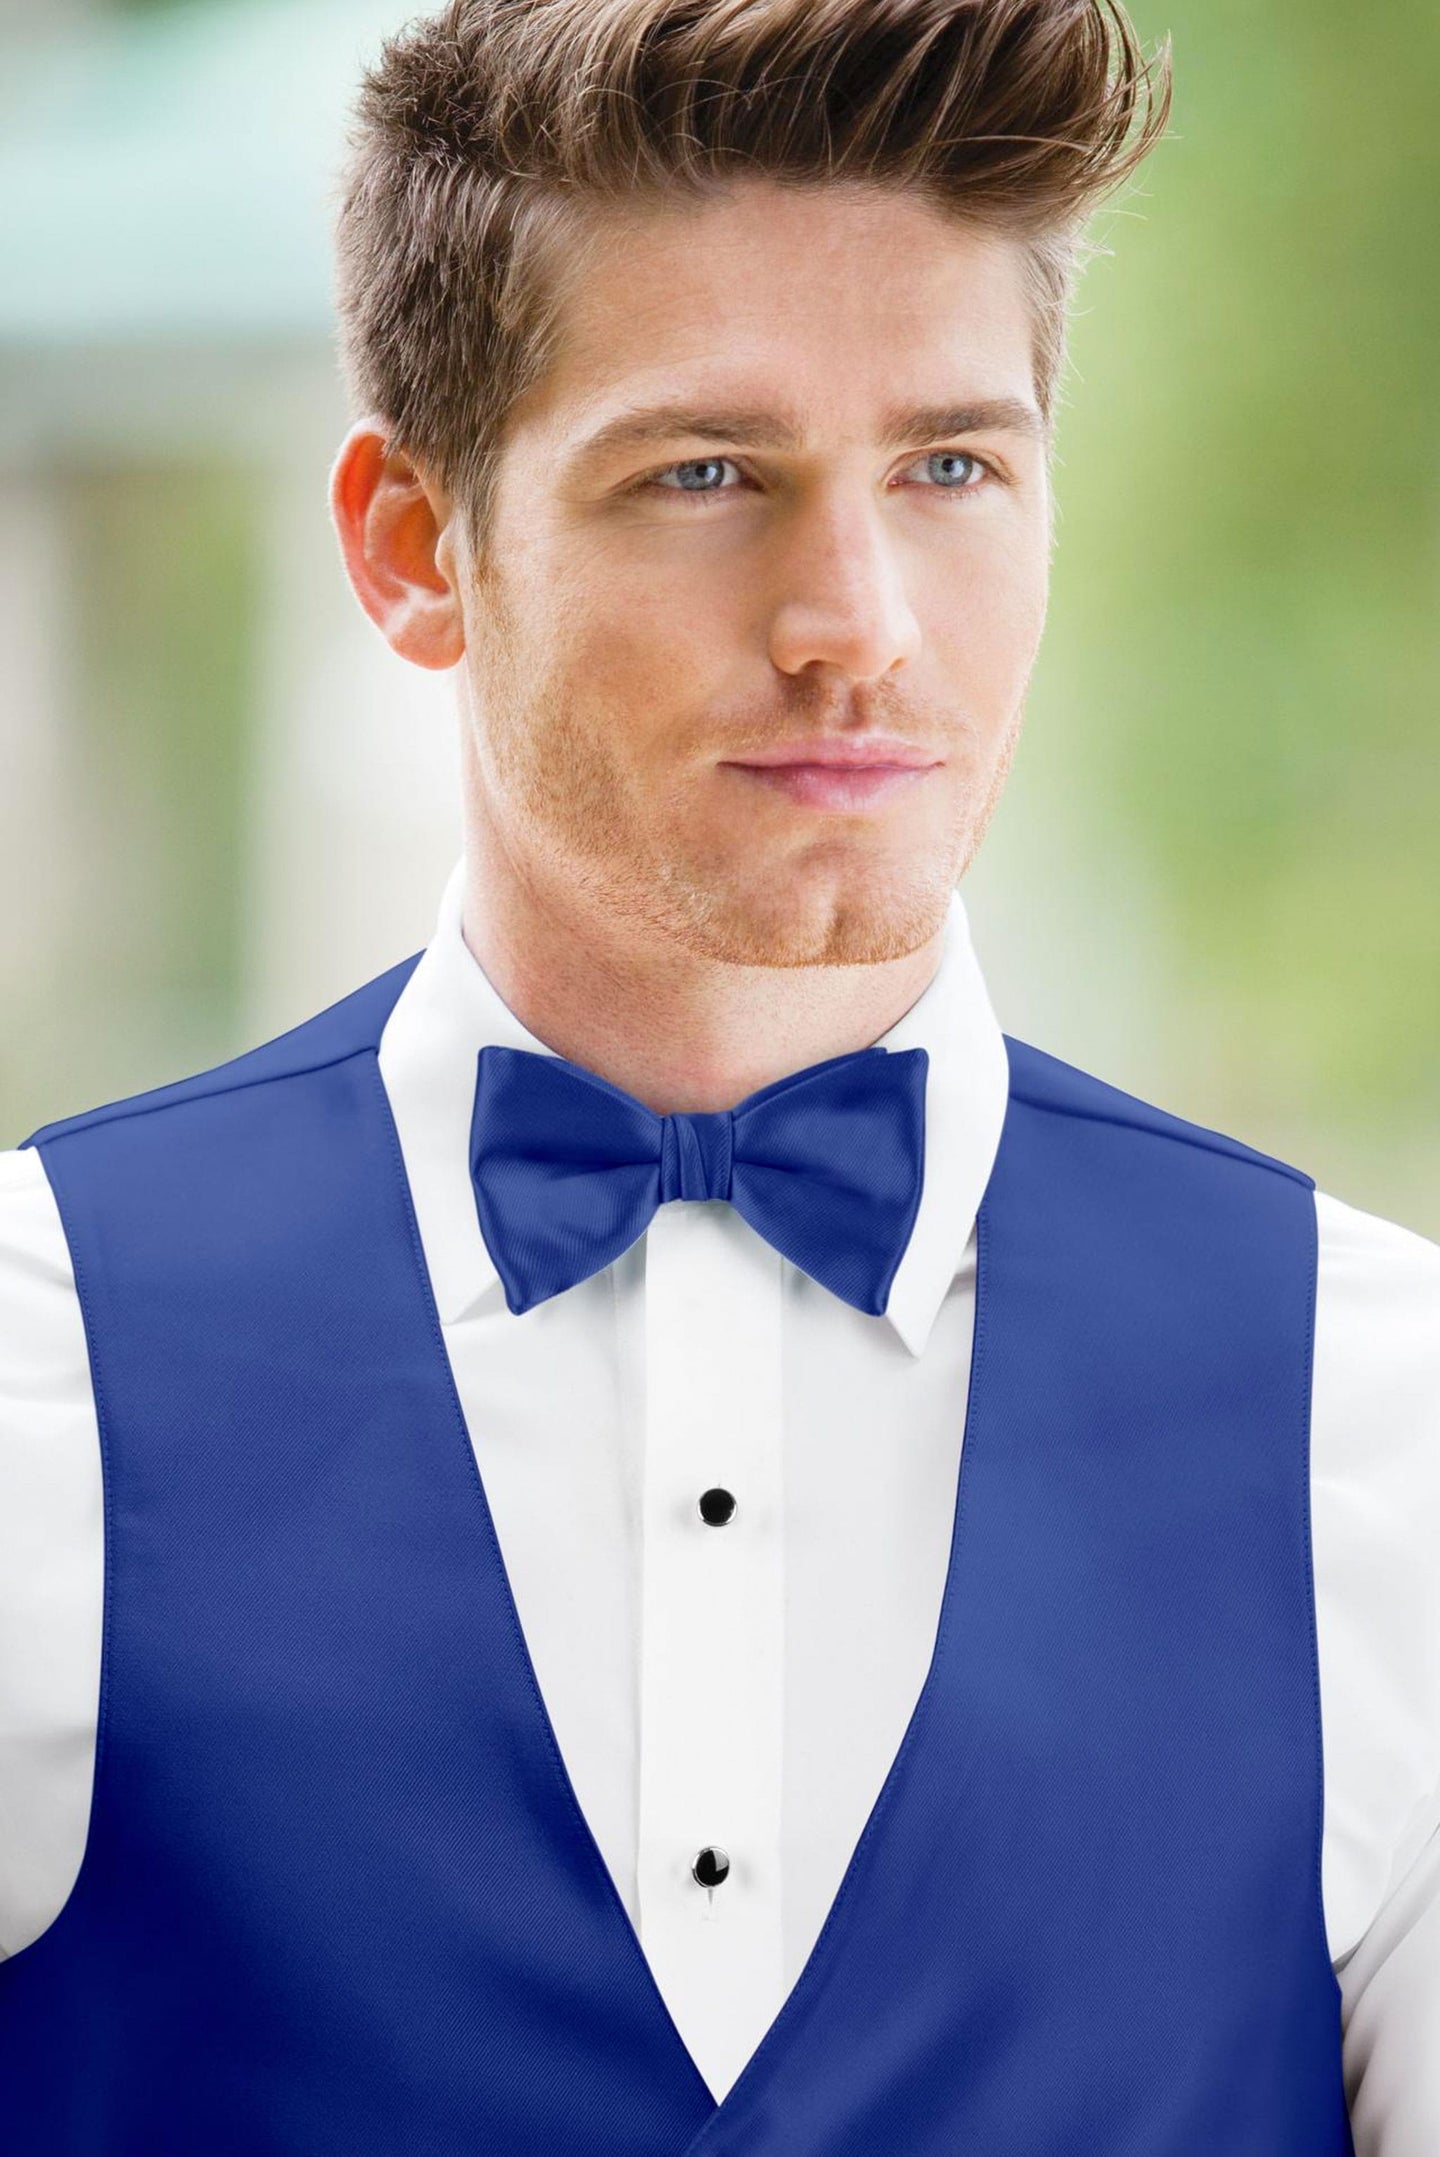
390	522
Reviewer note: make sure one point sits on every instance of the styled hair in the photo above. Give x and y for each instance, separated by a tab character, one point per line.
486	137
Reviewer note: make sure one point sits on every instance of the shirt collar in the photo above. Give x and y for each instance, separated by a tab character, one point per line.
449	1010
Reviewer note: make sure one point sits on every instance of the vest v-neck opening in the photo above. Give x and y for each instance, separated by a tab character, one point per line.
851	1880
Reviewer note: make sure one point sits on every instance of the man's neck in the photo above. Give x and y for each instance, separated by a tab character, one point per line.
683	1034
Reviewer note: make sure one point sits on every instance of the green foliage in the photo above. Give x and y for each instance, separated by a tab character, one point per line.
1245	593
162	639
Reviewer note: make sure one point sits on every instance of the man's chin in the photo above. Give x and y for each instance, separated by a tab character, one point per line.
789	920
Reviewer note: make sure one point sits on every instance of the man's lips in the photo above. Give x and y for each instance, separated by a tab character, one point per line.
837	785
835	750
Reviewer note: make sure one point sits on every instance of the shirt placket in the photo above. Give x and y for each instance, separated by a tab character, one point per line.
712	1631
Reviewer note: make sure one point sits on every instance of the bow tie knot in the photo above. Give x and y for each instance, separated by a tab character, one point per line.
826	1164
697	1154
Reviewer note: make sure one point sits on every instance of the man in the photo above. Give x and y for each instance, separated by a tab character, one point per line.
566	1685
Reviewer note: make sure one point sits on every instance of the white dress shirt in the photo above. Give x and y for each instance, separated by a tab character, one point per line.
750	1687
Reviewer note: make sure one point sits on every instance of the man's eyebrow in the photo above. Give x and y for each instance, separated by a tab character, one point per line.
766	430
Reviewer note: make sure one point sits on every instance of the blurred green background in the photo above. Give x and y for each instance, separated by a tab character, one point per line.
1215	877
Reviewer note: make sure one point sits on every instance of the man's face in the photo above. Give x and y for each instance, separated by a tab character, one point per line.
654	612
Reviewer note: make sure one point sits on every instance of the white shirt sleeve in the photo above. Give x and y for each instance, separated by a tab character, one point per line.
51	1558
1375	1483
1391	1987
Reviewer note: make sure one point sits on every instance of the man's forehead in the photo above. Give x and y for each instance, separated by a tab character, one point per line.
647	350
756	266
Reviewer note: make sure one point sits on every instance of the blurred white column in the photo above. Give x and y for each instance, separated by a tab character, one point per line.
39	855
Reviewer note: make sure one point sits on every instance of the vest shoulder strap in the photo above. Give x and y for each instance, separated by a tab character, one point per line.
342	1029
1047	1082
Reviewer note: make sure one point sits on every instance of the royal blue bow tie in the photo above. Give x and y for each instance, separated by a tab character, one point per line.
827	1165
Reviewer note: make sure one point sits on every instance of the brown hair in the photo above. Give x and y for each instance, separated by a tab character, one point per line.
484	133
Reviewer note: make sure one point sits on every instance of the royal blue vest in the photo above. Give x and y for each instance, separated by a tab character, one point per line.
339	1898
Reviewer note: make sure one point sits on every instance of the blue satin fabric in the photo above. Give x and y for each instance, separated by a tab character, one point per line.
826	1164
339	1898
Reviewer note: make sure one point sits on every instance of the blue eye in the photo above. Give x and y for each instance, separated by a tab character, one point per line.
656	481
692	464
953	456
